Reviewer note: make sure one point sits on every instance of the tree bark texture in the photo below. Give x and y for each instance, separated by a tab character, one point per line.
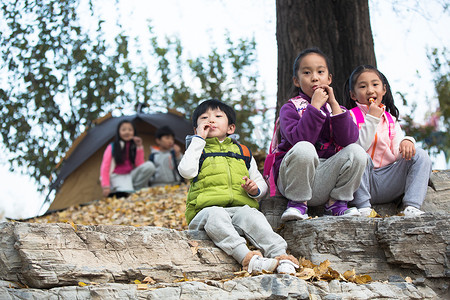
340	28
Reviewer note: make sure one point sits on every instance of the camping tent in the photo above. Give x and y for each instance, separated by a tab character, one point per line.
78	173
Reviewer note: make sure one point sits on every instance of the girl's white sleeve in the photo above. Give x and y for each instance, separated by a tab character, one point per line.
188	166
398	138
367	131
256	176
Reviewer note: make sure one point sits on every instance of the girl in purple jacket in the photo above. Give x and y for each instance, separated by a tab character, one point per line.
318	163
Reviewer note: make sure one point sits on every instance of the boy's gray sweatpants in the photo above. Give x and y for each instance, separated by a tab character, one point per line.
386	184
225	226
305	177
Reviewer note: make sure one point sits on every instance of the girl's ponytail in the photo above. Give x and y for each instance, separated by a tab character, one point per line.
347	98
388	98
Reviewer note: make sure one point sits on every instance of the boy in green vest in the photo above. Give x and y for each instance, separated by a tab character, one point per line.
224	193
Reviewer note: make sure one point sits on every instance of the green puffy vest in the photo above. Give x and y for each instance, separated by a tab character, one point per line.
218	183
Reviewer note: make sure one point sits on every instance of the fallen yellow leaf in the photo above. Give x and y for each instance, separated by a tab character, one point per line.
374	214
363	279
306	273
323	267
241	274
182	279
149	280
194	247
306	263
349	274
142	287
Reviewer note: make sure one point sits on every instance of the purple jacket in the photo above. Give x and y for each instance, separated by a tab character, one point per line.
327	133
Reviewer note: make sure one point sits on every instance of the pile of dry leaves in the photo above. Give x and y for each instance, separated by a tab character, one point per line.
157	206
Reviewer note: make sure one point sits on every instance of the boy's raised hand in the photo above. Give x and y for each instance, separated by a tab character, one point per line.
203	129
407	149
250	186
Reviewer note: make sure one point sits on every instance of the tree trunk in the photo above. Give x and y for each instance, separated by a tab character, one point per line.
340	28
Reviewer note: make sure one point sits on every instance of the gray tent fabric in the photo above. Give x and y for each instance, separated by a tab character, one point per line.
101	134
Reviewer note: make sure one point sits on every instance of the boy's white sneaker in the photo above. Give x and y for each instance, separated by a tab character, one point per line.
258	264
286	267
411	211
365	211
293	214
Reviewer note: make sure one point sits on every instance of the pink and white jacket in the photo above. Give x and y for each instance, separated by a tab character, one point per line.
375	140
109	164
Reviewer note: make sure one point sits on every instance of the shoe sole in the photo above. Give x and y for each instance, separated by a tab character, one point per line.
285	271
271	268
351	212
293	218
285	268
412	215
344	215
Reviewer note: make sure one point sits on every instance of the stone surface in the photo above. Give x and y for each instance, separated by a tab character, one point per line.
49	255
47	261
417	246
58	256
420	243
440	180
257	287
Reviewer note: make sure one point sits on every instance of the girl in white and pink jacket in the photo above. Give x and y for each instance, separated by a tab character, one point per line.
395	166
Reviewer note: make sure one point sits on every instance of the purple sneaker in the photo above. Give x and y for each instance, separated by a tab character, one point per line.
340	208
295	211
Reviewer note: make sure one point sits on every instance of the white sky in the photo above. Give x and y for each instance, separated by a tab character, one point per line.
401	43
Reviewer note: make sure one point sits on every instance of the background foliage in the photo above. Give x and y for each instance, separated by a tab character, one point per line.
58	74
434	134
58	77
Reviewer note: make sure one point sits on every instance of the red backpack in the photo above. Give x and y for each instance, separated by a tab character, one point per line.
300	105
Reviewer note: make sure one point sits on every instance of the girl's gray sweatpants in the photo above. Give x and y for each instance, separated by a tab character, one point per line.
305	177
225	226
384	185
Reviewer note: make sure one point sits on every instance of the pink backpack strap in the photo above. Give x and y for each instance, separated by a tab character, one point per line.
358	116
360	120
300	105
272	185
391	124
270	160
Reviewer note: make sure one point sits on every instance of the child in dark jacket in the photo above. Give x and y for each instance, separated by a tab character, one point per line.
318	162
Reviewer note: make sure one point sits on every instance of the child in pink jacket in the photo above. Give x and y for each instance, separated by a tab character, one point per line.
123	167
396	166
